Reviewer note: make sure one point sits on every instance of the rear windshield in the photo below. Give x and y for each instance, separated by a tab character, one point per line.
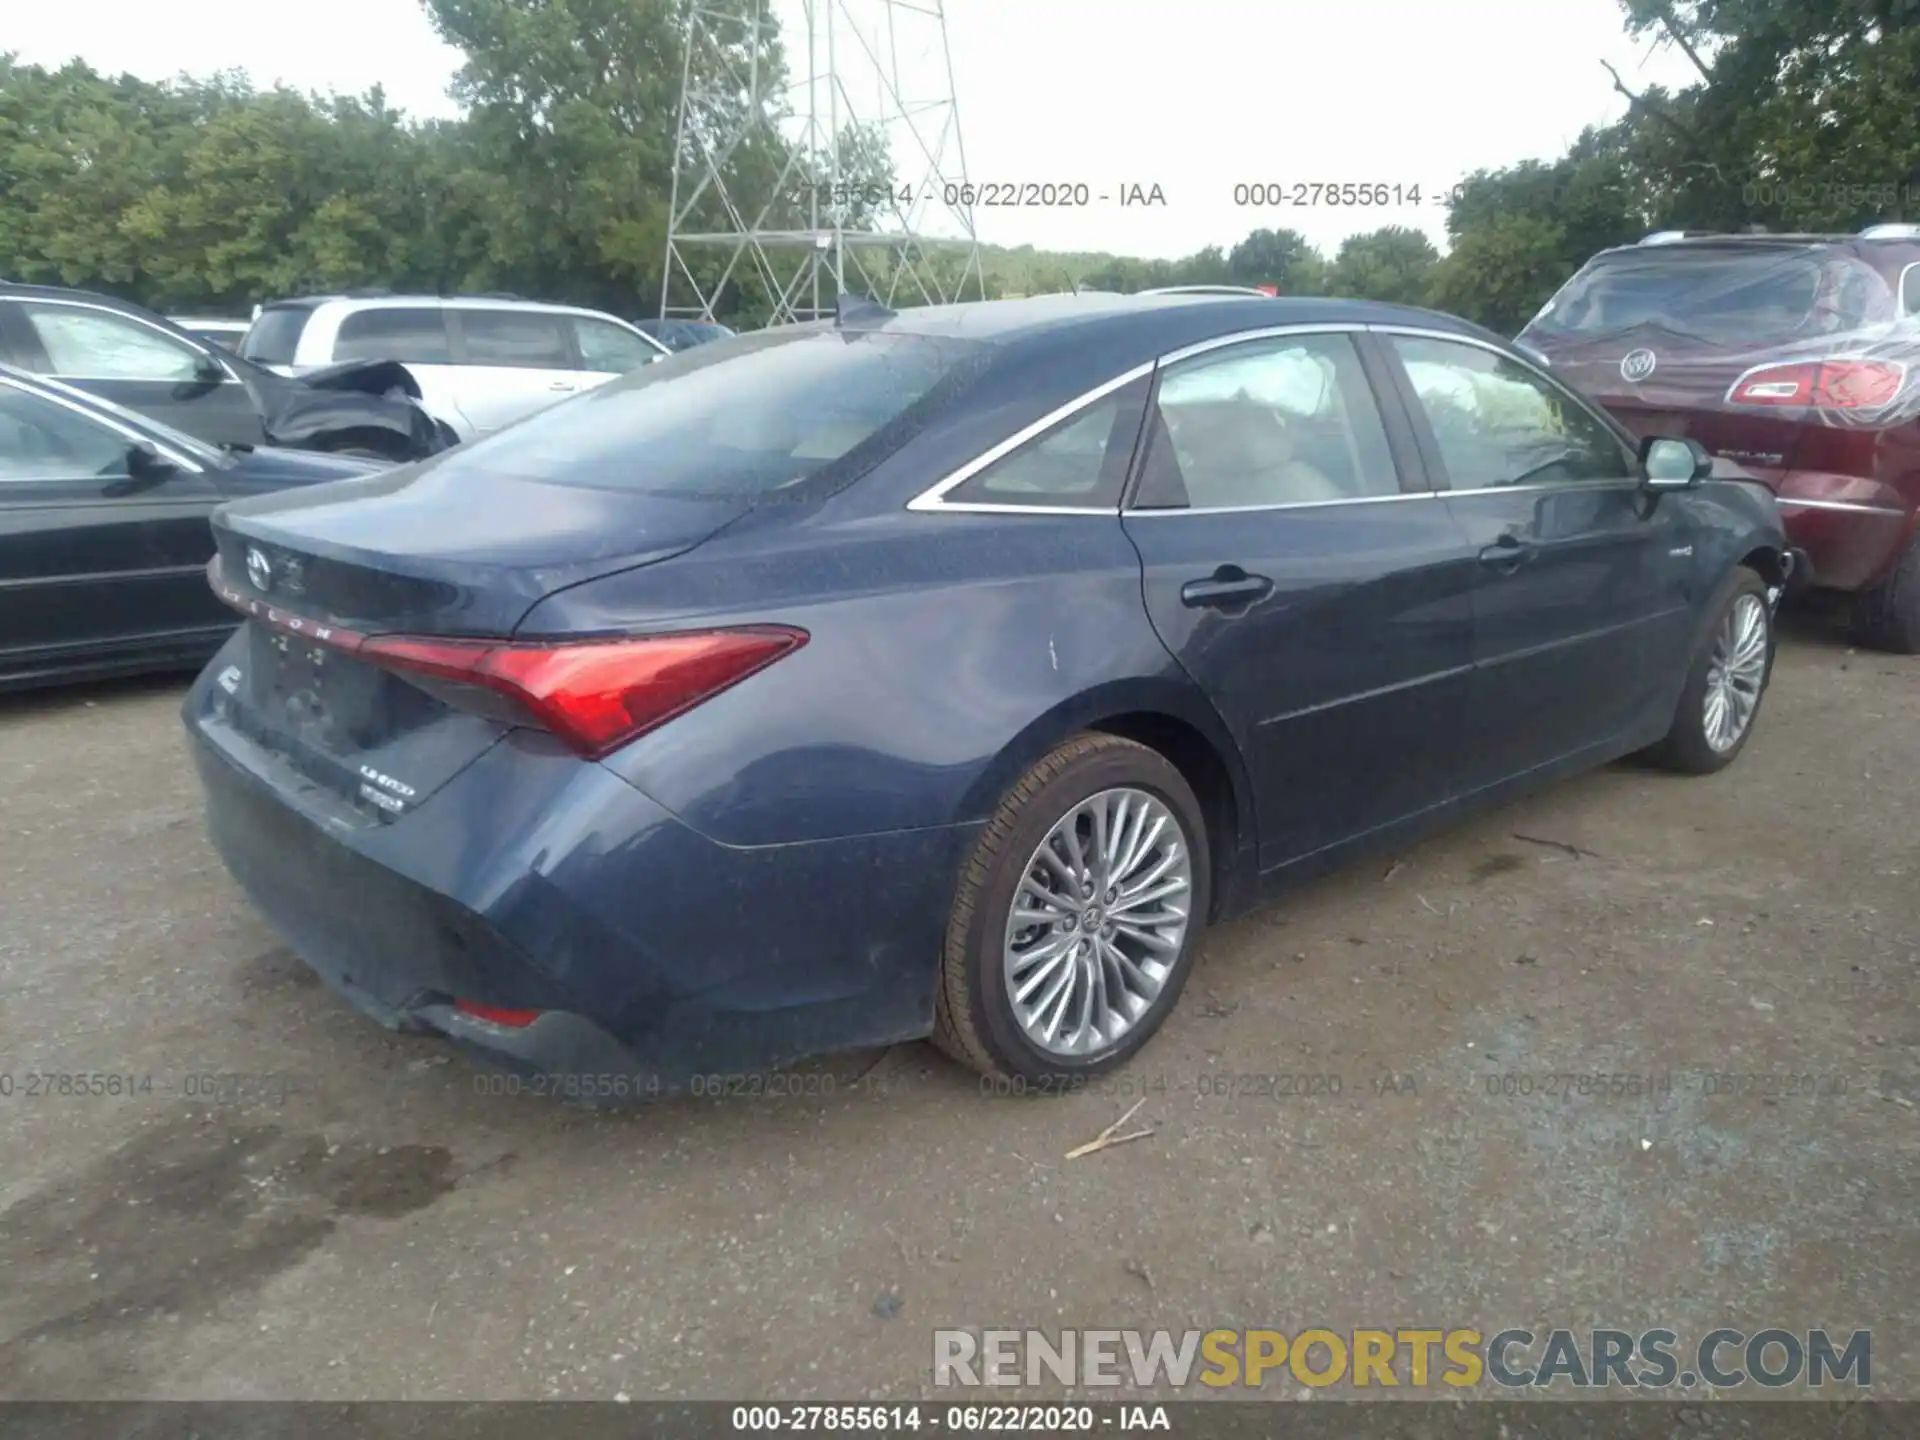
275	334
1753	297
763	414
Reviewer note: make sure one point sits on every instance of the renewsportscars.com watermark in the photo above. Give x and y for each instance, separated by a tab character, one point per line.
1511	1359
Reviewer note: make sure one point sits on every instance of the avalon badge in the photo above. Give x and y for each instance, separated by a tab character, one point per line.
259	570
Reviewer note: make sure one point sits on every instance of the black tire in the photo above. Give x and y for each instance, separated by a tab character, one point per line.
1887	617
1686	747
974	1021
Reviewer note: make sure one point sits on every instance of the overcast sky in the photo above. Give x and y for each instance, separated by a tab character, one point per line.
1194	96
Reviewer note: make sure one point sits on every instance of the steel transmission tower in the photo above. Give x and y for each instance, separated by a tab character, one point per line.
775	174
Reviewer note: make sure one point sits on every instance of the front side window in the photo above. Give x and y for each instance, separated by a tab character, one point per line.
1285	421
1496	423
42	440
516	339
413	337
86	344
611	349
1081	463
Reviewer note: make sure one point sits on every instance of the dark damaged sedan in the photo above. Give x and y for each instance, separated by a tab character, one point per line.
135	358
103	534
944	672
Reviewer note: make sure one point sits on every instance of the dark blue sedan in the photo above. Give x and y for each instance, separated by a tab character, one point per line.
944	672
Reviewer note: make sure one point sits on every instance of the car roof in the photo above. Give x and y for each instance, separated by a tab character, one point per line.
449	302
1158	321
1798	240
10	290
16	290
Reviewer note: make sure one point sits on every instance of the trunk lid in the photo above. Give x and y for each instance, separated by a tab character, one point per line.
405	550
392	553
1684	395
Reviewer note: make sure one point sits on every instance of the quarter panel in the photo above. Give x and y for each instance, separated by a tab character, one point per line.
937	641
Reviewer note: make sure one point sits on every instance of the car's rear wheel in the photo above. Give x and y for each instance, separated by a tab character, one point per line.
1887	617
1727	681
1076	918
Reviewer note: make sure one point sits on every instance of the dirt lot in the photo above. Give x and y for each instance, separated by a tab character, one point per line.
348	1215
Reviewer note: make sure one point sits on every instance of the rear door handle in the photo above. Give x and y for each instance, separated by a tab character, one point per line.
1506	554
564	385
1228	588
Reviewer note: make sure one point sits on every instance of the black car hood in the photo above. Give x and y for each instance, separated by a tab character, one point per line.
370	377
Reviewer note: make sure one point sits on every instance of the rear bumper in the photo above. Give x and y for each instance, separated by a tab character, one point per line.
1847	544
537	882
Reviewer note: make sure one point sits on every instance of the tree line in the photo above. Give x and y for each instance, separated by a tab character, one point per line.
211	194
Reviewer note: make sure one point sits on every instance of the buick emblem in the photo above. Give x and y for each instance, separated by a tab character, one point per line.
1637	366
259	570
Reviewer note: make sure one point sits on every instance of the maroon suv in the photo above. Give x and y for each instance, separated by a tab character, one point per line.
1796	356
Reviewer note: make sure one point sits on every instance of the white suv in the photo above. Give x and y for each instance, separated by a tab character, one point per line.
482	361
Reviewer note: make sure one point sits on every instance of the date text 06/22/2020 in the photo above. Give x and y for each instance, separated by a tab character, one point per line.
1059	194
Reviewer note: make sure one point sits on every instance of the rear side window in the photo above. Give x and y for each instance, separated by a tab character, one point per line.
1749	297
796	410
1081	463
516	339
413	337
274	336
1910	290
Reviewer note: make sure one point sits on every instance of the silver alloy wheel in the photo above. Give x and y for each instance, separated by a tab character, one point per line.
1735	673
1097	922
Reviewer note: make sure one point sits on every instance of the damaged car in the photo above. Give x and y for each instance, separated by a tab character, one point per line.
104	540
132	357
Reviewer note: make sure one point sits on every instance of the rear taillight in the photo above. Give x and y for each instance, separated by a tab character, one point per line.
1821	384
496	1014
596	695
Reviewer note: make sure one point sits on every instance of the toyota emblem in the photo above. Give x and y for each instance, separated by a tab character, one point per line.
1637	366
259	570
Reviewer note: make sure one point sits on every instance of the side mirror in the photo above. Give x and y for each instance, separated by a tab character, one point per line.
1671	464
146	468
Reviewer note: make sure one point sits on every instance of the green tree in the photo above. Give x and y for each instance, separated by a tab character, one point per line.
1394	264
1281	258
1501	271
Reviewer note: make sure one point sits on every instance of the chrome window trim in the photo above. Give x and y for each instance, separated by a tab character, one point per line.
1265	332
931	499
1557	486
1847	506
176	457
205	354
1344	500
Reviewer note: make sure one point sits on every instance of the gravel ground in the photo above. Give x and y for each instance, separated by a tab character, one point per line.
349	1215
